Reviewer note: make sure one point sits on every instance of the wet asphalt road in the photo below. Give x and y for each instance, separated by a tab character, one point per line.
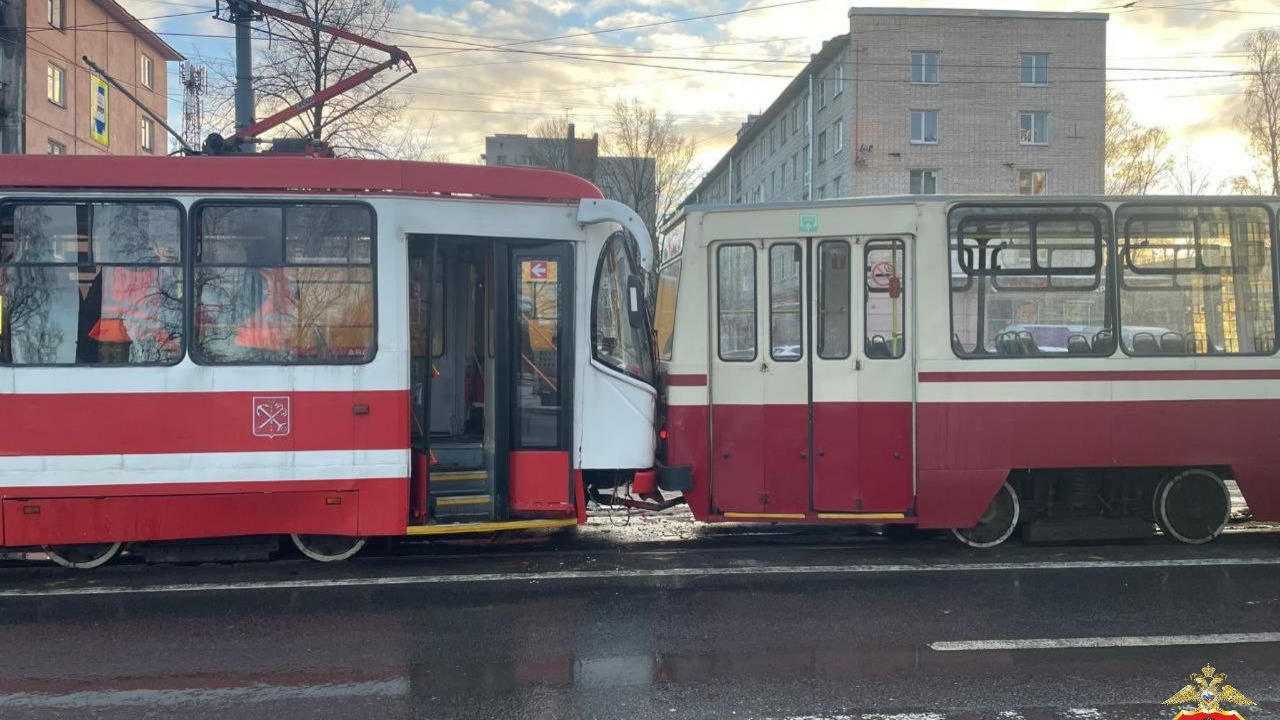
721	629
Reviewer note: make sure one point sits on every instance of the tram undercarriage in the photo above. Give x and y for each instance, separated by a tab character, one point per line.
1190	505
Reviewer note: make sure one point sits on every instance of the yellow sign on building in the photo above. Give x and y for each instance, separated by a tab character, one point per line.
98	128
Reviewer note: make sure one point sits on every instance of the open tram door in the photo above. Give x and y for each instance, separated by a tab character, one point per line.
490	368
811	379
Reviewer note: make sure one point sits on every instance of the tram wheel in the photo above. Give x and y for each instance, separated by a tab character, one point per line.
996	524
328	548
1192	506
83	557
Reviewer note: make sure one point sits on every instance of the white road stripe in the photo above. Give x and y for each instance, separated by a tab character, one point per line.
1104	642
687	572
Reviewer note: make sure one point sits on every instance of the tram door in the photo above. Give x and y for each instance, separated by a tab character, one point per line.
810	378
862	382
759	380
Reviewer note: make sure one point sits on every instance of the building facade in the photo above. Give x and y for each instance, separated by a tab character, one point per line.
50	102
927	101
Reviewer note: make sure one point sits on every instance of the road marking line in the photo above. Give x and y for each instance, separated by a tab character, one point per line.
397	688
1104	642
614	574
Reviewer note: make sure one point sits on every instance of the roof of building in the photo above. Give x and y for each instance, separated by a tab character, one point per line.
273	173
122	16
971	13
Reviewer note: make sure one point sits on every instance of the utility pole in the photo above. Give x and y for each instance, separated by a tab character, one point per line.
242	14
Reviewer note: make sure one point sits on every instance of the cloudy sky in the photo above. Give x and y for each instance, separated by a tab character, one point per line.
503	65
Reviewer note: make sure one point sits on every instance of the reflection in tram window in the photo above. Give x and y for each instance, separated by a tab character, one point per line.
615	340
1030	282
833	300
1195	280
785	262
90	284
885	317
284	284
736	298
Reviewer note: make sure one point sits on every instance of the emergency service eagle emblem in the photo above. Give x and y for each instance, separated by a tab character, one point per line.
1208	692
271	417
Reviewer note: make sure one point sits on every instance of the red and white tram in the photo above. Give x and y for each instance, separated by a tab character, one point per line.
328	349
1074	366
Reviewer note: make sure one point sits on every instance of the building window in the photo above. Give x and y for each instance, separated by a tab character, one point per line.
835	187
148	73
837	136
924	126
148	135
1034	68
795	120
283	283
54	12
773	140
1033	182
924	182
821	89
839	81
822	192
57	148
924	68
91	283
57	91
821	149
795	166
1034	128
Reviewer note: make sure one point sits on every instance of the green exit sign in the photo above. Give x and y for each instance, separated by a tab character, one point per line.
809	223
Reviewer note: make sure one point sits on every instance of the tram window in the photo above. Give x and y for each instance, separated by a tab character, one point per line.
92	283
1030	282
833	300
884	300
615	340
736	301
664	316
1195	280
785	263
284	284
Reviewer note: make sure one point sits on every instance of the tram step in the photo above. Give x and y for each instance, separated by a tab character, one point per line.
458	455
457	482
461	507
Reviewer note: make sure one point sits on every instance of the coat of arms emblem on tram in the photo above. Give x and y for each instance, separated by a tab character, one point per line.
1208	691
271	417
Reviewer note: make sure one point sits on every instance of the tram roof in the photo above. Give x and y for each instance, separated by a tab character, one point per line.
273	173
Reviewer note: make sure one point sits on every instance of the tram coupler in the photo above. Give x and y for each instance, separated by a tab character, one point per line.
652	502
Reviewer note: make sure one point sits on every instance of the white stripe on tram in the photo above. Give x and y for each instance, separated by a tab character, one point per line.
611	574
73	470
1106	642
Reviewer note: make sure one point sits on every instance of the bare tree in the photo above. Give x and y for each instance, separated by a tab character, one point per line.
294	62
649	163
550	146
1188	177
1137	157
1260	122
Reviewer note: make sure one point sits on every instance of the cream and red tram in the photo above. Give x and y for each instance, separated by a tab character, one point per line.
325	349
1072	366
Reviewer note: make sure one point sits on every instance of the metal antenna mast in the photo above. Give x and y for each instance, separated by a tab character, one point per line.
193	84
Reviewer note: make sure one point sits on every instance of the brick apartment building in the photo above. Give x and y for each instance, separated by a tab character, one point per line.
930	101
51	103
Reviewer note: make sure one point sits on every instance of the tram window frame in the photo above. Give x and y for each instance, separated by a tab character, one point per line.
282	204
897	346
753	304
797	259
845	334
85	236
961	259
1168	212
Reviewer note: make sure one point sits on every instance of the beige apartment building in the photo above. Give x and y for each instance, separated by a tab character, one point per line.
926	101
51	103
